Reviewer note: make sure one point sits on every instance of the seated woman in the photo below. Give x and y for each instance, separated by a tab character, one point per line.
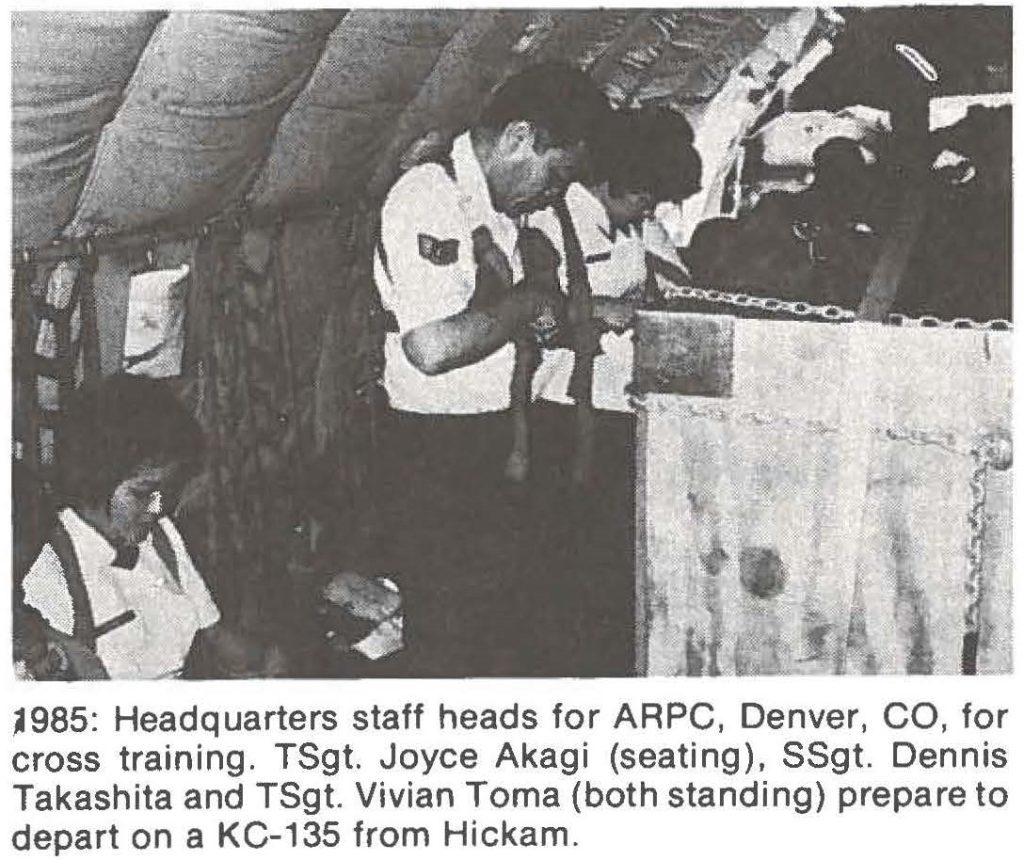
115	585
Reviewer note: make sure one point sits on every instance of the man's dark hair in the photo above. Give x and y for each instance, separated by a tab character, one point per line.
561	101
647	150
110	430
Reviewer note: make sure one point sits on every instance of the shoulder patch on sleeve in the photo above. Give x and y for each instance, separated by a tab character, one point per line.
440	252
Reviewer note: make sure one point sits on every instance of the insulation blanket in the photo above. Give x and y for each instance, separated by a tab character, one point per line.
69	71
821	498
126	121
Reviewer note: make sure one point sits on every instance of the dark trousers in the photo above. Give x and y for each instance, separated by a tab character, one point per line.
501	579
583	563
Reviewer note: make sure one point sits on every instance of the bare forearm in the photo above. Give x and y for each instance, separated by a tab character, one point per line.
466	338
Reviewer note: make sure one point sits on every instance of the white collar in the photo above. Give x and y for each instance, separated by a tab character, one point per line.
583	200
593	225
475	195
469	175
89	544
587	207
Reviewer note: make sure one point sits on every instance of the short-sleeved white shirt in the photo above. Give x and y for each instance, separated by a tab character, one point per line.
168	614
616	265
426	206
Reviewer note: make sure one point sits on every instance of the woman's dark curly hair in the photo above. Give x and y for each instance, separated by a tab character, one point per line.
110	430
649	149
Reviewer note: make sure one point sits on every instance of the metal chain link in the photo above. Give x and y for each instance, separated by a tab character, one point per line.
827	313
904	321
975	541
994	451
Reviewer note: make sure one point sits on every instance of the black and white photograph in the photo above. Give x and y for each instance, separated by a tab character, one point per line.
511	343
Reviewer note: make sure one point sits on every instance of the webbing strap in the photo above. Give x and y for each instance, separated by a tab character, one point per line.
84	629
580	307
84	626
659	266
585	343
165	549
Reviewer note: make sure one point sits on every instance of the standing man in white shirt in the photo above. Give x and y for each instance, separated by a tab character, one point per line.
458	527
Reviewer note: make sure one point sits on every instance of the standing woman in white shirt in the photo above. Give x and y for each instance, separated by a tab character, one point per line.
640	159
115	585
584	542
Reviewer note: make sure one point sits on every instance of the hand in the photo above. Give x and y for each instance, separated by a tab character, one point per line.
362	596
493	270
545	328
548	323
46	655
